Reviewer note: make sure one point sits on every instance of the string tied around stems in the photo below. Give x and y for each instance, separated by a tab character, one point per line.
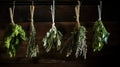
32	12
77	12
100	10
12	13
53	13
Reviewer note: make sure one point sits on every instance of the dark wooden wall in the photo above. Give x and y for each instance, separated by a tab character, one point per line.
65	22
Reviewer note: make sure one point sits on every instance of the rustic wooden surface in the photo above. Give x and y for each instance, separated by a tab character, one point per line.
65	21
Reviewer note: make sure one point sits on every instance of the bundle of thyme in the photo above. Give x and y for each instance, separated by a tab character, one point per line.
13	36
53	37
77	40
100	33
32	48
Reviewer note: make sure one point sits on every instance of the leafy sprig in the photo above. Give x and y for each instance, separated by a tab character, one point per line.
100	33
54	36
32	47
77	41
13	36
100	36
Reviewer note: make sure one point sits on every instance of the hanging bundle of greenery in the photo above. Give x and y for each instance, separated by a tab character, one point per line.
54	36
13	36
77	40
100	33
32	48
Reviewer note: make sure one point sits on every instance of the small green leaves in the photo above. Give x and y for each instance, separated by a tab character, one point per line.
77	41
32	47
12	38
100	36
80	41
52	39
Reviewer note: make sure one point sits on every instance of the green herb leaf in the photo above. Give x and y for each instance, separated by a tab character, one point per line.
32	47
77	41
12	38
100	36
52	39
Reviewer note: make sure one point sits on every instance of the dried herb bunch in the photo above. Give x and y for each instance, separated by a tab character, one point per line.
77	40
13	36
32	47
53	37
100	36
100	33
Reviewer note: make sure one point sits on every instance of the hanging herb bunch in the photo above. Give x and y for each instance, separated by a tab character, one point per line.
53	37
100	33
77	40
32	48
13	36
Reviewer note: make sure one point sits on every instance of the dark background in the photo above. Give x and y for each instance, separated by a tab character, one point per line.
110	10
108	56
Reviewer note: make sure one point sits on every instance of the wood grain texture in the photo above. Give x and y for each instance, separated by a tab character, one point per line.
65	21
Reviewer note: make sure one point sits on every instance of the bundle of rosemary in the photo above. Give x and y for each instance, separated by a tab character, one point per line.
100	33
53	37
13	36
32	47
77	40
